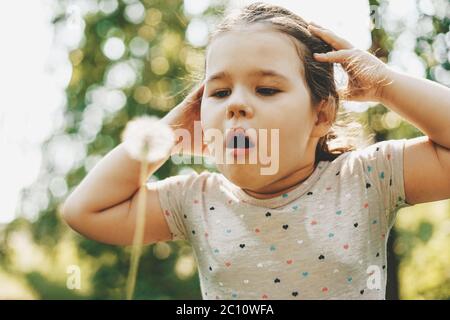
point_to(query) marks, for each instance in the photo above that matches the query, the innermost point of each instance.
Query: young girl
(318, 227)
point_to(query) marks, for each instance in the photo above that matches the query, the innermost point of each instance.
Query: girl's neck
(284, 184)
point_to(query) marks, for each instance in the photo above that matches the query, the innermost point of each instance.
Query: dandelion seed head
(147, 138)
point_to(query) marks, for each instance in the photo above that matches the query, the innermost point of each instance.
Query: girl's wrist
(385, 92)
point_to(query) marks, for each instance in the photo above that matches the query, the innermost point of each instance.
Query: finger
(200, 88)
(196, 94)
(341, 56)
(315, 24)
(330, 37)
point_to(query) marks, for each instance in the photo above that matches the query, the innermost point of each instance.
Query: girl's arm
(426, 160)
(103, 206)
(424, 103)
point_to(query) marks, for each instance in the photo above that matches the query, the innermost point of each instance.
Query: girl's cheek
(210, 113)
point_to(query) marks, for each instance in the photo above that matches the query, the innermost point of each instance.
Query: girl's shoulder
(383, 146)
(383, 157)
(382, 150)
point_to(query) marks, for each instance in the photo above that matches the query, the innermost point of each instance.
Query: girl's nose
(239, 110)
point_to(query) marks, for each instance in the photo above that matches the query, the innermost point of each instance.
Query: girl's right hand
(183, 116)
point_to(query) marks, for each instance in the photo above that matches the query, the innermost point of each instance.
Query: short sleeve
(383, 165)
(172, 193)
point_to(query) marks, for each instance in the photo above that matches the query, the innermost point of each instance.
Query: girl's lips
(239, 151)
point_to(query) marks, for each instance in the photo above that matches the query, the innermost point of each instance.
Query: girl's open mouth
(239, 140)
(238, 143)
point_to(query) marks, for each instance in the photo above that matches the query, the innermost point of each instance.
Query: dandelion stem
(138, 232)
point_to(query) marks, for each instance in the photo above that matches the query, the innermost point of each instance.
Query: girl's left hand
(368, 75)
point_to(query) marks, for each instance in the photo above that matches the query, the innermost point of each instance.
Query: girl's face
(244, 96)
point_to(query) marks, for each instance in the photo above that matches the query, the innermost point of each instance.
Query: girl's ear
(323, 118)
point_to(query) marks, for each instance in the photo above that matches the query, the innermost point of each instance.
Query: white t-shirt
(325, 239)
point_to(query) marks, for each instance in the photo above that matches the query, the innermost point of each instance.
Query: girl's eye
(268, 91)
(219, 94)
(262, 91)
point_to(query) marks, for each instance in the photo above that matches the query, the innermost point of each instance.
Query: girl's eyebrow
(259, 73)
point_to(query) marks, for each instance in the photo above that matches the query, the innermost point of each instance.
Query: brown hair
(319, 76)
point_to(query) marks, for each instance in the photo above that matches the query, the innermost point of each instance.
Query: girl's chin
(242, 175)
